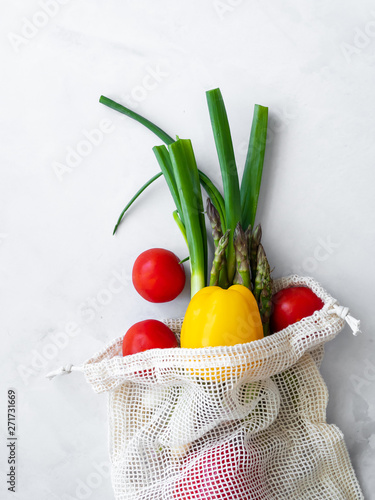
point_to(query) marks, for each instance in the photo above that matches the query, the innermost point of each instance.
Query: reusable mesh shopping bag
(240, 422)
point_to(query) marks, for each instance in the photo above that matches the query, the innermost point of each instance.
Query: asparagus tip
(248, 231)
(257, 234)
(225, 238)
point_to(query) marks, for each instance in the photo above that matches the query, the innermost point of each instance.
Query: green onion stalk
(190, 197)
(138, 193)
(225, 152)
(252, 175)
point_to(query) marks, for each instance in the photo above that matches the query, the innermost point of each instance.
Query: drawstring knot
(344, 313)
(64, 370)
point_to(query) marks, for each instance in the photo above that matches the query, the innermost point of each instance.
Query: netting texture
(240, 422)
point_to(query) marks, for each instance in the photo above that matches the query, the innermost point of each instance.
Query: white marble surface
(311, 62)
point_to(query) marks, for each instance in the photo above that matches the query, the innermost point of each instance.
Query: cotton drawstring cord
(344, 313)
(64, 370)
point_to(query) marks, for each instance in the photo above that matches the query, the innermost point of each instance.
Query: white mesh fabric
(242, 422)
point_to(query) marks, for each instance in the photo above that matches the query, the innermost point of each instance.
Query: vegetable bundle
(239, 256)
(231, 414)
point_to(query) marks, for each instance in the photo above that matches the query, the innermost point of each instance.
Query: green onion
(207, 184)
(140, 119)
(162, 155)
(187, 179)
(252, 176)
(211, 190)
(180, 226)
(135, 197)
(225, 152)
(184, 260)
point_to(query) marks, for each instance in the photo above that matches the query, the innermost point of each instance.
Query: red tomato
(291, 305)
(148, 334)
(221, 472)
(158, 276)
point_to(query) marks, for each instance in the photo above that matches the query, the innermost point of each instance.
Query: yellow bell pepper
(218, 317)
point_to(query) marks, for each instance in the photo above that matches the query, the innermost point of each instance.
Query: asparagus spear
(223, 279)
(214, 218)
(265, 306)
(261, 272)
(242, 276)
(218, 259)
(263, 288)
(253, 251)
(217, 233)
(248, 242)
(248, 237)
